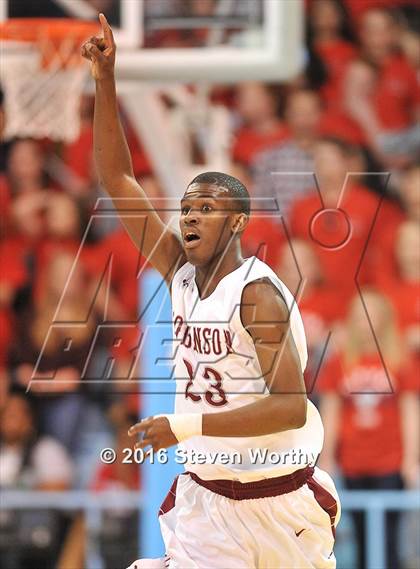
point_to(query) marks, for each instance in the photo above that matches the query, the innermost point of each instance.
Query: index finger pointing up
(106, 28)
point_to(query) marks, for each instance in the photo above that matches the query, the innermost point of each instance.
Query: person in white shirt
(240, 352)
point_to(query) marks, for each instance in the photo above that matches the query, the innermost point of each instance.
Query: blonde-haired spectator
(404, 289)
(369, 405)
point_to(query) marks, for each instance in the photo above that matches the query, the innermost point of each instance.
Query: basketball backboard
(125, 16)
(243, 39)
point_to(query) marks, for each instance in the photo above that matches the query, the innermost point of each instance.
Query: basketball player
(239, 359)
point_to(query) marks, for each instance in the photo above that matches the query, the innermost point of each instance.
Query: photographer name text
(252, 456)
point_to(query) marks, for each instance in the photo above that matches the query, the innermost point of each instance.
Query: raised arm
(155, 240)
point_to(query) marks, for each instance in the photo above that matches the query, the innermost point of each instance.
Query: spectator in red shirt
(371, 413)
(26, 190)
(320, 305)
(357, 8)
(405, 290)
(381, 91)
(26, 167)
(78, 155)
(258, 108)
(385, 267)
(119, 260)
(264, 237)
(338, 218)
(330, 51)
(330, 36)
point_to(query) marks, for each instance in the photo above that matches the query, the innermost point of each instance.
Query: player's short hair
(235, 187)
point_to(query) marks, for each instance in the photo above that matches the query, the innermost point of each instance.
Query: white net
(43, 76)
(41, 101)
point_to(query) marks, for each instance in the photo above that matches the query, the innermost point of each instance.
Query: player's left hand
(156, 433)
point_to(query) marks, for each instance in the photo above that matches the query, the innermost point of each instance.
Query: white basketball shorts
(228, 525)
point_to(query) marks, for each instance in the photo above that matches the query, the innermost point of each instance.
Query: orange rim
(54, 29)
(57, 39)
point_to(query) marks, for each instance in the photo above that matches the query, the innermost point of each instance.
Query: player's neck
(208, 276)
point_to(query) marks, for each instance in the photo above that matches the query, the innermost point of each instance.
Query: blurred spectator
(117, 257)
(329, 35)
(285, 172)
(338, 217)
(357, 8)
(264, 238)
(120, 527)
(405, 289)
(320, 305)
(382, 92)
(384, 261)
(64, 349)
(258, 107)
(409, 191)
(26, 187)
(30, 538)
(28, 459)
(25, 168)
(410, 39)
(78, 155)
(370, 413)
(12, 276)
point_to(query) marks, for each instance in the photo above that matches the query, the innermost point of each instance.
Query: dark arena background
(314, 106)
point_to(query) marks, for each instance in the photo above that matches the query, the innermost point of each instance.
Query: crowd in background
(348, 247)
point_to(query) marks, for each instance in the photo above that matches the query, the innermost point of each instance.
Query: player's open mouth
(191, 239)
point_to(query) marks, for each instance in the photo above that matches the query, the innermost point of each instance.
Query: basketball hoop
(43, 76)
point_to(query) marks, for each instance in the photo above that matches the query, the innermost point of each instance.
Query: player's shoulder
(257, 270)
(183, 275)
(261, 292)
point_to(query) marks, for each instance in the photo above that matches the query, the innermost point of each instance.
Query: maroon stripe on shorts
(266, 488)
(327, 502)
(169, 502)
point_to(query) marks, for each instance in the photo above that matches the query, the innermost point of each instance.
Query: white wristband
(185, 425)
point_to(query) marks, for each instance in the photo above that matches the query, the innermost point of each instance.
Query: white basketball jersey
(217, 369)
